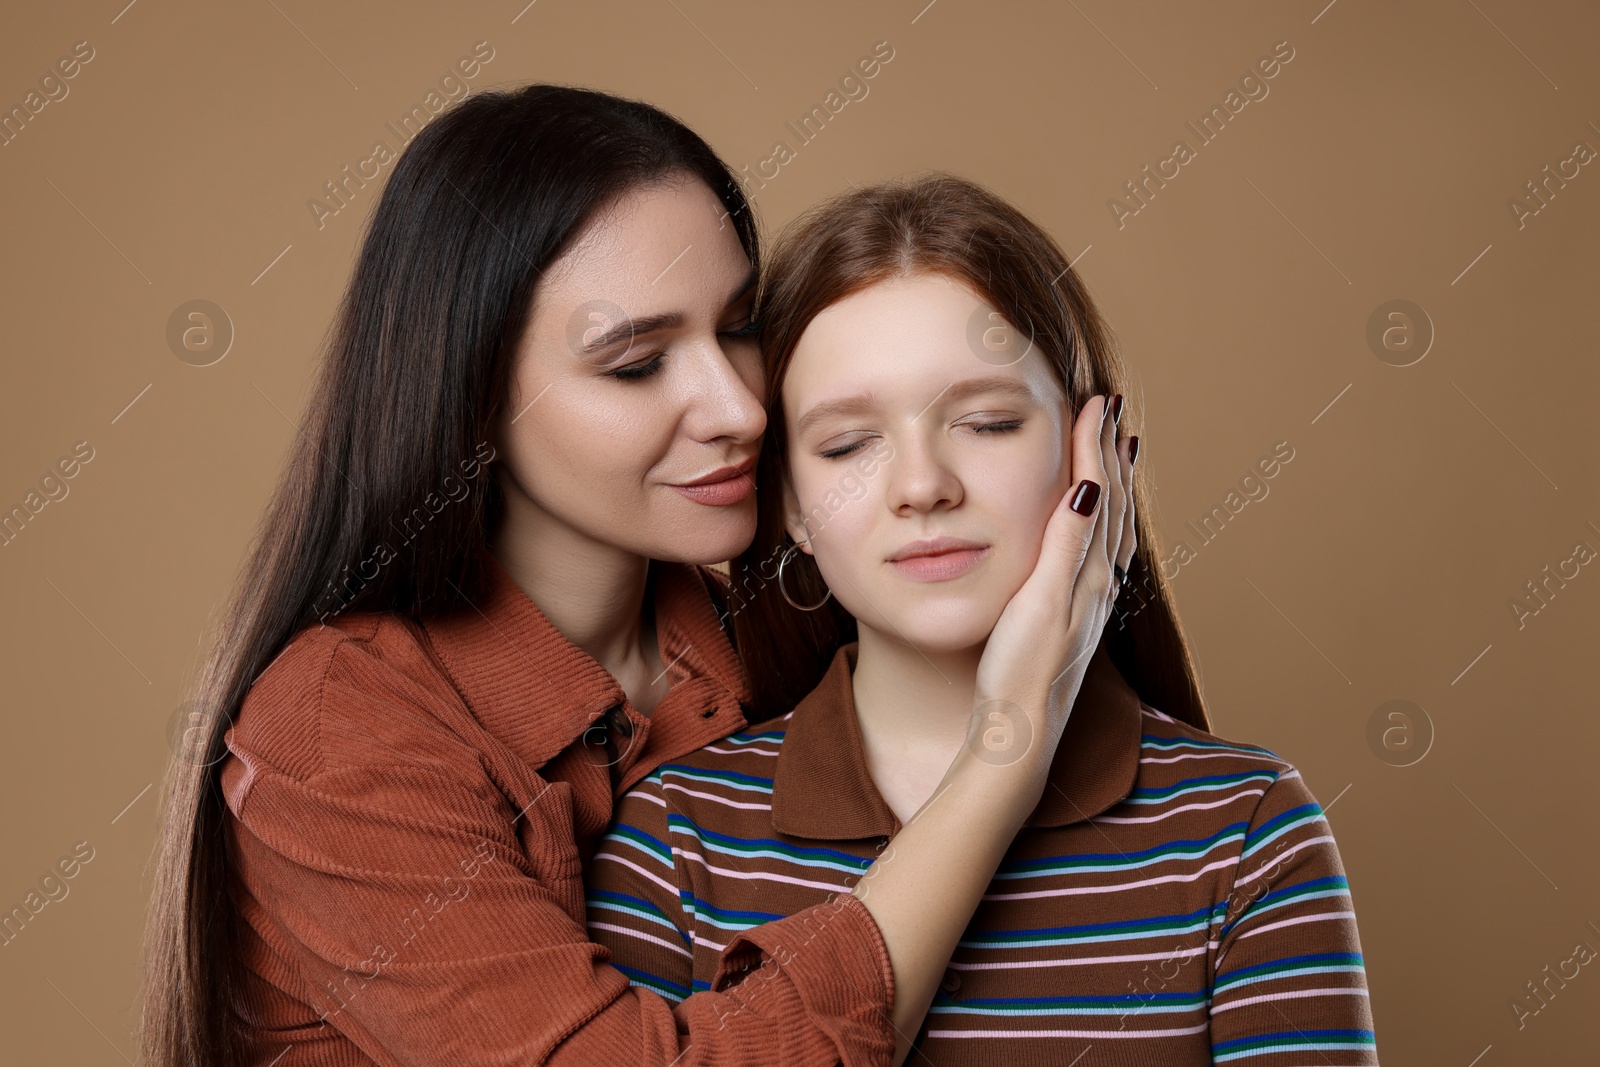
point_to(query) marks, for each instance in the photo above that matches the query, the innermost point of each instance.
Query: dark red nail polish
(1116, 409)
(1085, 497)
(1133, 450)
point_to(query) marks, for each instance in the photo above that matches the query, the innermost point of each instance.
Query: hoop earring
(788, 554)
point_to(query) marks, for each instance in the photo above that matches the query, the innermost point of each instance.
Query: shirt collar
(822, 789)
(538, 692)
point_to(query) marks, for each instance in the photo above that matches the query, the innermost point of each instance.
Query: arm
(1289, 974)
(925, 886)
(431, 922)
(639, 896)
(637, 910)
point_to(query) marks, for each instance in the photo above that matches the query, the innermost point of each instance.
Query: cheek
(585, 446)
(1044, 474)
(837, 509)
(1021, 497)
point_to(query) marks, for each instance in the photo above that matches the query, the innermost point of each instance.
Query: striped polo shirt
(1175, 898)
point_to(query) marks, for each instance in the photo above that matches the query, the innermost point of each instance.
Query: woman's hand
(1039, 651)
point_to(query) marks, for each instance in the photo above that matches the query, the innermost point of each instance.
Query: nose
(722, 402)
(919, 477)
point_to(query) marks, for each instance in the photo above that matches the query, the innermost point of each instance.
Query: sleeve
(635, 900)
(1290, 984)
(431, 923)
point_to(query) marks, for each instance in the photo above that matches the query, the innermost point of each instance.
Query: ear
(794, 520)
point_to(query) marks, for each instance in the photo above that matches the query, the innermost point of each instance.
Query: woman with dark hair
(1175, 897)
(479, 609)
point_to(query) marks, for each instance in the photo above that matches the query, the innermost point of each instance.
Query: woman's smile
(723, 486)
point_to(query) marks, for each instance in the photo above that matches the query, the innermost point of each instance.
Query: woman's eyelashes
(634, 372)
(993, 427)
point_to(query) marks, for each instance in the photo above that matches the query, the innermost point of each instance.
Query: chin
(933, 641)
(715, 536)
(953, 625)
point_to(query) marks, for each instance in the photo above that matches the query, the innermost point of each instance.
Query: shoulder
(360, 689)
(1164, 739)
(1240, 796)
(1180, 763)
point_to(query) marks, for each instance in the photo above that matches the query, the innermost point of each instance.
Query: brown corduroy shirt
(411, 808)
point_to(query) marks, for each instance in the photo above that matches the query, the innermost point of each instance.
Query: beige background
(1382, 565)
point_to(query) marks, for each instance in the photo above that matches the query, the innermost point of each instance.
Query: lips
(721, 474)
(721, 487)
(938, 559)
(934, 546)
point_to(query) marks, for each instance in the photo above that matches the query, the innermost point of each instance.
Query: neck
(593, 593)
(914, 711)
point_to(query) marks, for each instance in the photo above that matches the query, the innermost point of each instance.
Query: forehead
(663, 242)
(901, 335)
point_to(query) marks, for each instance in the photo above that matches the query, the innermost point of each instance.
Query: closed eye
(842, 450)
(998, 426)
(635, 371)
(1004, 426)
(749, 329)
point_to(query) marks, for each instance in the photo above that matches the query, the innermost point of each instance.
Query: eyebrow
(967, 387)
(630, 328)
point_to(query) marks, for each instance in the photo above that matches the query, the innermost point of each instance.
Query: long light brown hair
(945, 225)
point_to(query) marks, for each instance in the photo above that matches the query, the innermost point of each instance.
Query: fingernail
(1133, 450)
(1104, 411)
(1116, 409)
(1085, 497)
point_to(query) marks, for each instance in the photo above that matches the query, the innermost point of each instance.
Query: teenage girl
(1175, 897)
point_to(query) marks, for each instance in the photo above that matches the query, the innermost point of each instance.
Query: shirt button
(616, 718)
(951, 982)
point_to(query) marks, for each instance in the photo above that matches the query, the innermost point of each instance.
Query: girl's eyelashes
(999, 426)
(842, 450)
(1003, 426)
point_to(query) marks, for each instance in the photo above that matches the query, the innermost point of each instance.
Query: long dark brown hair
(415, 375)
(937, 224)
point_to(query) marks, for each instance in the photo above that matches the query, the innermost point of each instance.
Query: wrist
(1006, 789)
(1005, 733)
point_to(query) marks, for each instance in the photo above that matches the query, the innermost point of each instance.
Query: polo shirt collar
(822, 789)
(538, 692)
